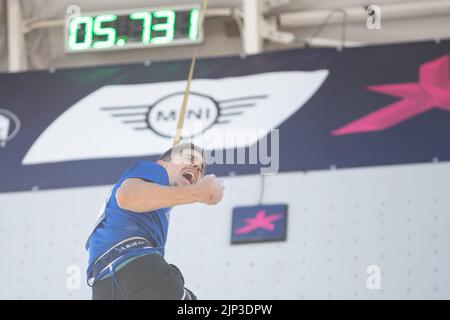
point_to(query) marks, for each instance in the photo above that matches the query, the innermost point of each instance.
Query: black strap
(101, 266)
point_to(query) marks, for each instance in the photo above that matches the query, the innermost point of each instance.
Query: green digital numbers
(92, 26)
(110, 33)
(146, 18)
(133, 29)
(193, 24)
(168, 27)
(75, 25)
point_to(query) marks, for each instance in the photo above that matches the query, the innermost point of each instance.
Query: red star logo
(260, 221)
(432, 91)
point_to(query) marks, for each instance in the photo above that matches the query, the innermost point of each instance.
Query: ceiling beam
(17, 55)
(396, 10)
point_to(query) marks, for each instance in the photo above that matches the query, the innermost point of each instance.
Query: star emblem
(260, 221)
(431, 91)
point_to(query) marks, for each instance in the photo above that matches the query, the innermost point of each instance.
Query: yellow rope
(182, 116)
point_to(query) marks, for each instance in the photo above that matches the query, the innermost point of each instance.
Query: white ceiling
(46, 47)
(57, 8)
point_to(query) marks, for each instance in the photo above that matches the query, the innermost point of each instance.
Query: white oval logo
(9, 126)
(202, 112)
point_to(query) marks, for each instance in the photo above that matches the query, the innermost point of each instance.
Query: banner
(370, 106)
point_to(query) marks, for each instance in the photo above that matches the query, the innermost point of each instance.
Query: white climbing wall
(339, 223)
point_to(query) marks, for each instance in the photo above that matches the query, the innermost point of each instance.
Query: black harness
(104, 263)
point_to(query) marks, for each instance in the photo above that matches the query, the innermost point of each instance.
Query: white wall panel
(339, 223)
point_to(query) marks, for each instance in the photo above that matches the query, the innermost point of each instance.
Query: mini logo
(9, 126)
(203, 112)
(140, 119)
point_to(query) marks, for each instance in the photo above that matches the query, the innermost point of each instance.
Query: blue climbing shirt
(116, 225)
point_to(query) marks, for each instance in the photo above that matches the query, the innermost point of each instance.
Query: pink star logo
(432, 91)
(260, 221)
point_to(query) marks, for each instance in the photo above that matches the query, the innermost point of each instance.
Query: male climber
(126, 248)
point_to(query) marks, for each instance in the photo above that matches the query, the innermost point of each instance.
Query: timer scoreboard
(133, 29)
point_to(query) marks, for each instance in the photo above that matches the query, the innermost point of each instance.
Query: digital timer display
(133, 29)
